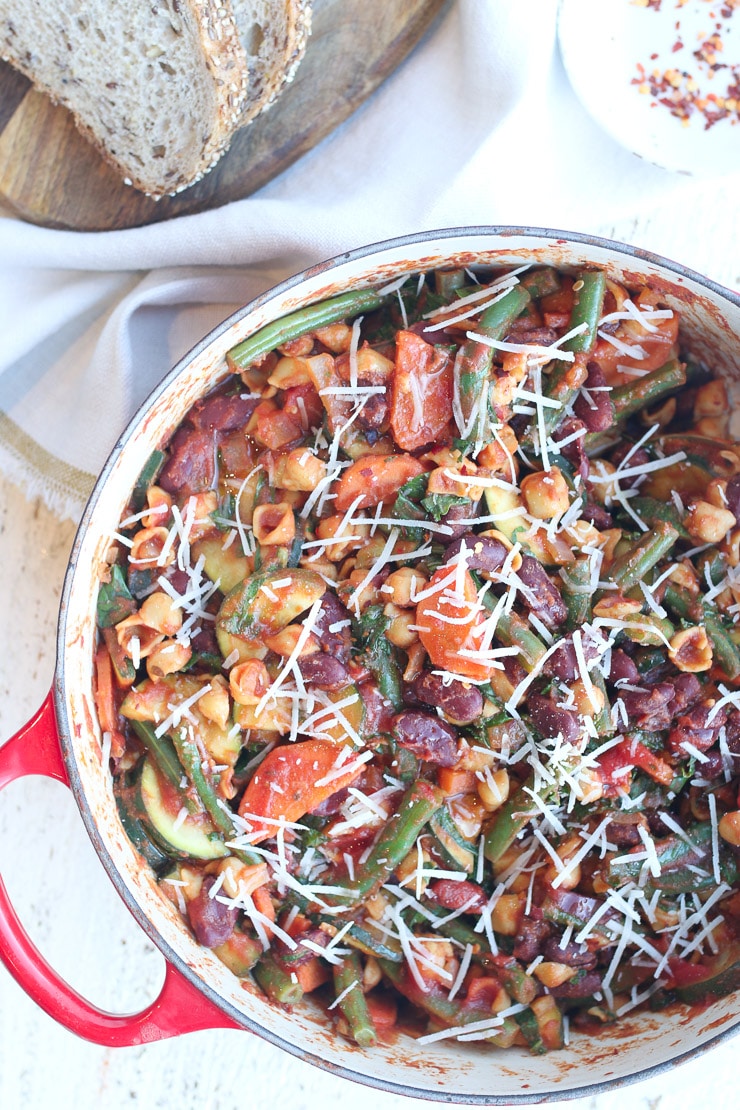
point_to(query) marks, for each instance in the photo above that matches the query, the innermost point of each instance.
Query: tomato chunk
(290, 782)
(616, 764)
(421, 392)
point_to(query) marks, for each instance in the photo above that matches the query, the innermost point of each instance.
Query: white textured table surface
(73, 913)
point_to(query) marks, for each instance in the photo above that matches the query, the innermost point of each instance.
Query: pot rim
(495, 231)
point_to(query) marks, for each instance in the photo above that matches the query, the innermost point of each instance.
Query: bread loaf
(157, 85)
(274, 35)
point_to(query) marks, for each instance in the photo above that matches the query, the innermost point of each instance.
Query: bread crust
(288, 53)
(214, 23)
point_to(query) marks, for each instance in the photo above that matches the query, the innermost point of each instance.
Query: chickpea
(249, 682)
(498, 455)
(589, 787)
(716, 493)
(284, 642)
(691, 650)
(337, 337)
(403, 585)
(371, 974)
(299, 347)
(356, 535)
(398, 631)
(241, 879)
(507, 914)
(708, 524)
(729, 828)
(731, 548)
(584, 534)
(493, 789)
(554, 974)
(686, 577)
(604, 490)
(545, 494)
(588, 700)
(468, 813)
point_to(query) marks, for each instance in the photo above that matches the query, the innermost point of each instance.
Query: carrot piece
(105, 700)
(456, 782)
(443, 629)
(420, 393)
(291, 781)
(312, 975)
(263, 902)
(382, 1009)
(375, 478)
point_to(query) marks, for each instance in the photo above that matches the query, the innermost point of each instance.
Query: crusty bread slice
(274, 35)
(157, 85)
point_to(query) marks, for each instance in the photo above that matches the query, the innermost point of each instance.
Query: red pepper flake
(680, 91)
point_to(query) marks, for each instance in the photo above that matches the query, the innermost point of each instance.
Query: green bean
(635, 396)
(589, 288)
(476, 359)
(276, 982)
(164, 755)
(633, 565)
(513, 977)
(512, 817)
(542, 282)
(577, 592)
(447, 282)
(512, 631)
(298, 323)
(395, 841)
(348, 987)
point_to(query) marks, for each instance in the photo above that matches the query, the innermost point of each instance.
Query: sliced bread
(274, 35)
(157, 85)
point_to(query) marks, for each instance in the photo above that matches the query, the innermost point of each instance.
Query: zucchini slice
(193, 838)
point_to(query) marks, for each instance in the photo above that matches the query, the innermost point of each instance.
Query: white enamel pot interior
(446, 1071)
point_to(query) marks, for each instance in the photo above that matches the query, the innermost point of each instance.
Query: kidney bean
(595, 408)
(453, 895)
(686, 692)
(484, 552)
(522, 332)
(426, 736)
(648, 708)
(575, 451)
(379, 712)
(563, 663)
(699, 727)
(323, 670)
(624, 829)
(623, 669)
(541, 596)
(191, 467)
(637, 458)
(714, 765)
(457, 700)
(222, 413)
(332, 804)
(571, 954)
(211, 921)
(550, 720)
(597, 516)
(458, 518)
(530, 939)
(374, 413)
(733, 496)
(339, 642)
(583, 986)
(302, 954)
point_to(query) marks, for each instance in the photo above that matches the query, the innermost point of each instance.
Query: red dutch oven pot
(63, 740)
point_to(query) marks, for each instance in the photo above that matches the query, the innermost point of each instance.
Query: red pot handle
(180, 1007)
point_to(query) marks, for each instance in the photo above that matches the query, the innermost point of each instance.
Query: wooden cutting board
(50, 175)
